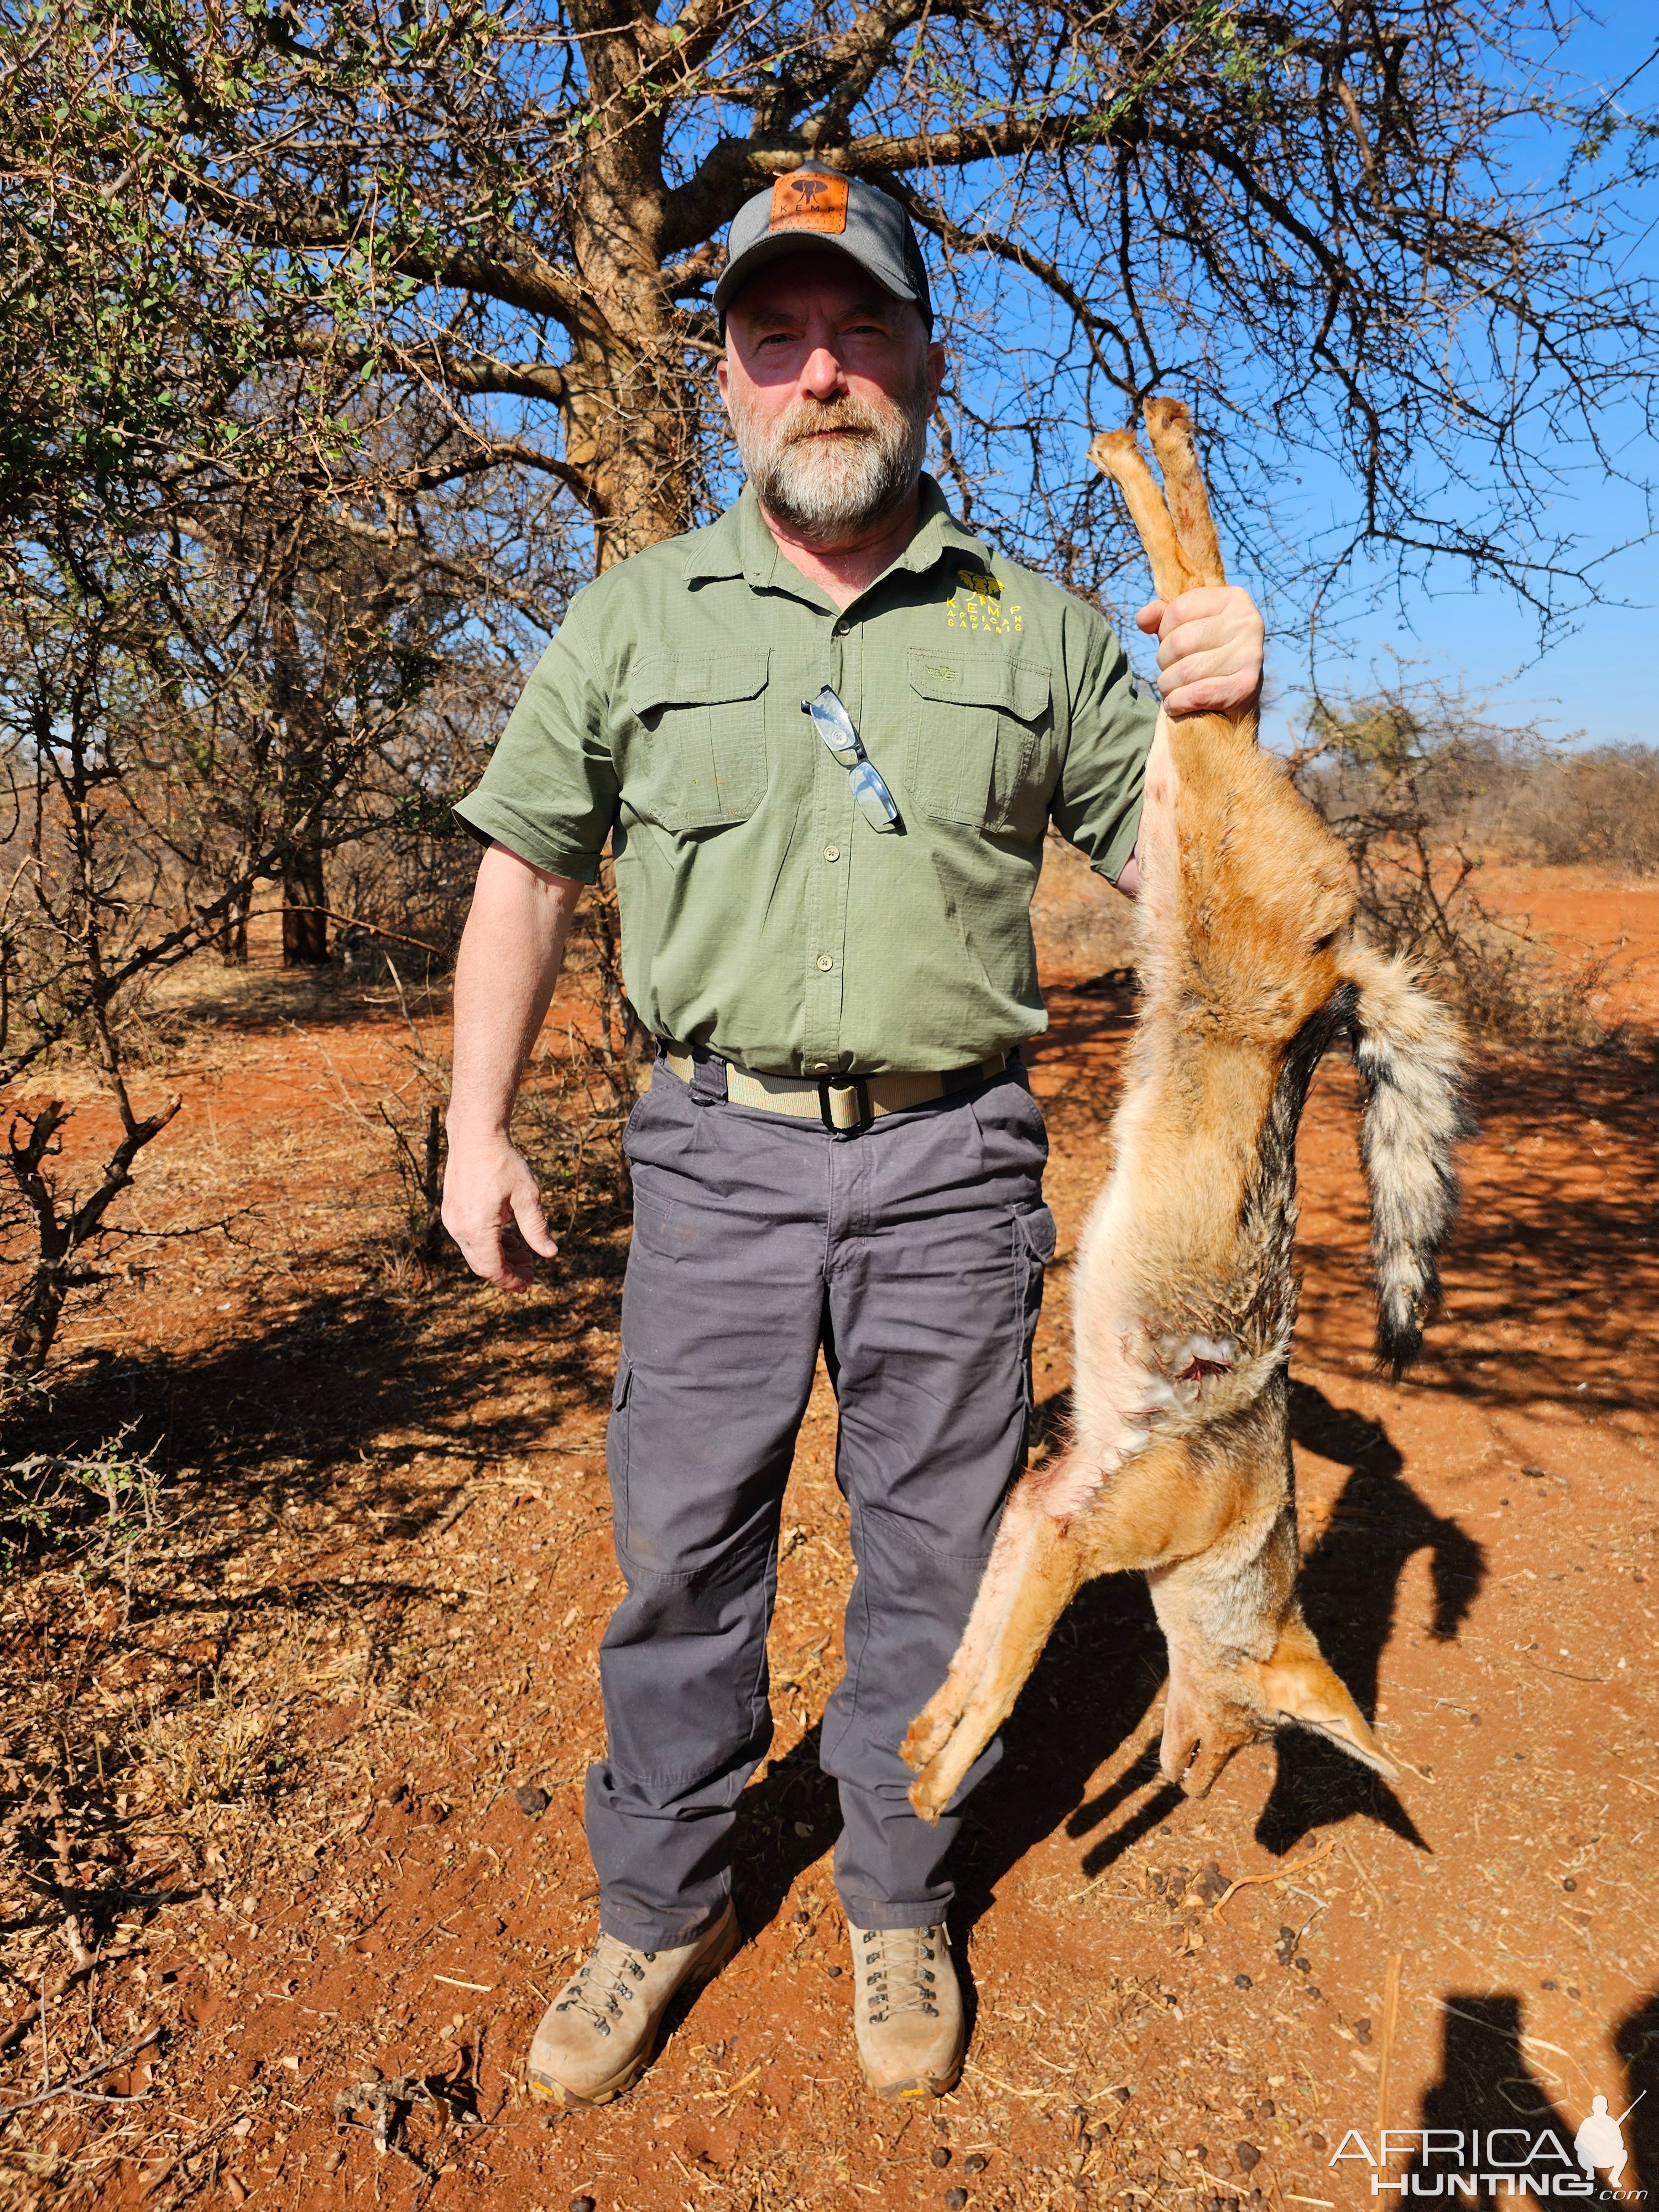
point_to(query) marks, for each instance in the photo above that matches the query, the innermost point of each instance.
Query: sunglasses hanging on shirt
(835, 726)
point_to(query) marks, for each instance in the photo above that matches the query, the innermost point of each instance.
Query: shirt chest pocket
(696, 750)
(984, 752)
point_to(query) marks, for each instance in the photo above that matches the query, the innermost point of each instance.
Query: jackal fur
(1185, 1292)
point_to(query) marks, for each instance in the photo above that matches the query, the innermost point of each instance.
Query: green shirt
(761, 915)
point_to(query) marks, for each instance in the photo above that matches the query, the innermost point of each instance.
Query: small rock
(1247, 2155)
(1316, 2142)
(333, 2160)
(581, 2205)
(532, 1801)
(1312, 1992)
(941, 2154)
(1362, 2033)
(1546, 1985)
(955, 2199)
(1201, 2153)
(803, 1828)
(1241, 1981)
(1266, 2106)
(801, 1919)
(1123, 2096)
(974, 2163)
(1568, 1883)
(1302, 1965)
(1572, 1989)
(834, 1973)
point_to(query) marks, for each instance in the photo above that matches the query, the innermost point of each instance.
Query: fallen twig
(1280, 1874)
(1390, 2018)
(109, 2065)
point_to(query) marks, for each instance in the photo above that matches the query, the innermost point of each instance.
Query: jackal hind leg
(1243, 1662)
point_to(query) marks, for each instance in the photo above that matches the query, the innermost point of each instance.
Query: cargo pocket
(984, 752)
(1034, 1248)
(615, 1447)
(696, 754)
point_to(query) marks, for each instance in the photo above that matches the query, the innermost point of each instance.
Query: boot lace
(603, 1984)
(897, 1971)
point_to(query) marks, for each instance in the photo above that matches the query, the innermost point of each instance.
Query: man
(825, 922)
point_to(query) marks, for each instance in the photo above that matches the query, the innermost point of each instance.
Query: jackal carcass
(1185, 1293)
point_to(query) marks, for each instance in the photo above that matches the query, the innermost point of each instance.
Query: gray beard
(837, 491)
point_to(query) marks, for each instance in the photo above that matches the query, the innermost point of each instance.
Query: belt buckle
(832, 1090)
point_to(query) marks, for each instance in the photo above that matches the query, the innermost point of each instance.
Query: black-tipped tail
(1409, 1048)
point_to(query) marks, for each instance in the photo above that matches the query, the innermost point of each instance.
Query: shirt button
(832, 852)
(840, 630)
(820, 1068)
(825, 962)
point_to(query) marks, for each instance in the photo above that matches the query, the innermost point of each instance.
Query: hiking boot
(599, 2035)
(907, 2007)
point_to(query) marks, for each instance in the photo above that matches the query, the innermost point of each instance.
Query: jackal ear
(1297, 1684)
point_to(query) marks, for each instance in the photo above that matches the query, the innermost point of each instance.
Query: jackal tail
(1409, 1050)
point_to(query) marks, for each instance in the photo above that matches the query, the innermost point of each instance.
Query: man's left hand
(1209, 653)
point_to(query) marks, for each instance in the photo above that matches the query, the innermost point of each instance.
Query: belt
(843, 1103)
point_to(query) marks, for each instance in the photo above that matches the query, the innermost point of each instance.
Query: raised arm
(508, 964)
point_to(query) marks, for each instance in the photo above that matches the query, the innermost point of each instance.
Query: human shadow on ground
(1485, 2082)
(1636, 2040)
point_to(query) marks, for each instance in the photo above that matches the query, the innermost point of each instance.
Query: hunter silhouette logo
(1599, 2141)
(809, 201)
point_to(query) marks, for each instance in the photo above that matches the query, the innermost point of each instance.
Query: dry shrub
(1411, 785)
(1598, 809)
(223, 1751)
(101, 1501)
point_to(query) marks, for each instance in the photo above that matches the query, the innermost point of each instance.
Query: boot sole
(932, 2085)
(554, 2092)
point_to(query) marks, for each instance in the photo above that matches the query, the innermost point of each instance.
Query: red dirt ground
(377, 1621)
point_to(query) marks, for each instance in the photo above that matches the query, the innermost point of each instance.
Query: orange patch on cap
(806, 200)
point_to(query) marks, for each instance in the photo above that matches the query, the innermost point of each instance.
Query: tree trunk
(633, 416)
(304, 923)
(232, 935)
(35, 1315)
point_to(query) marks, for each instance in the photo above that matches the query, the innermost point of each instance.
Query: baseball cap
(819, 210)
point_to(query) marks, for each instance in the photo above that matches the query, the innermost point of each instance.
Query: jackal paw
(932, 1728)
(1200, 1739)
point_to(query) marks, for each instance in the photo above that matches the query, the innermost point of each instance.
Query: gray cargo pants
(914, 1255)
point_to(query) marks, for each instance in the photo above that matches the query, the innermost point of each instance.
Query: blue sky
(1598, 680)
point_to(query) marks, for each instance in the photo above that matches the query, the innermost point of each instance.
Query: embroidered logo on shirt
(980, 605)
(808, 202)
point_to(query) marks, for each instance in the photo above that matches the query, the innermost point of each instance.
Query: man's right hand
(494, 1211)
(505, 972)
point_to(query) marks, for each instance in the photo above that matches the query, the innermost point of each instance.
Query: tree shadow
(1349, 1592)
(1486, 2082)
